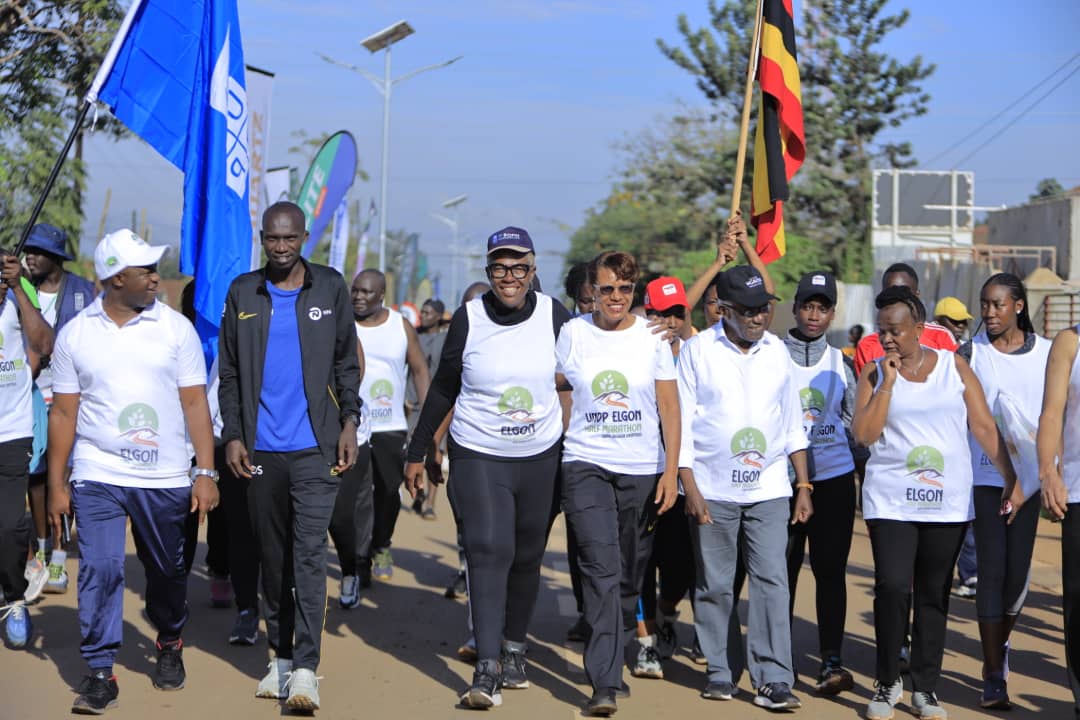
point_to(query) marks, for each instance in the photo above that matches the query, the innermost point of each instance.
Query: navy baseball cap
(743, 285)
(816, 284)
(49, 239)
(510, 238)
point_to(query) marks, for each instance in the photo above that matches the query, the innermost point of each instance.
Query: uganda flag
(780, 144)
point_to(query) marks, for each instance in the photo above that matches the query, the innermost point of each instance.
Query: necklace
(915, 372)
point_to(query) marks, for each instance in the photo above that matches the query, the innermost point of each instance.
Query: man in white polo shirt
(129, 379)
(741, 423)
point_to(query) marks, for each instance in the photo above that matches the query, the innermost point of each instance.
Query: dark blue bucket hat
(49, 239)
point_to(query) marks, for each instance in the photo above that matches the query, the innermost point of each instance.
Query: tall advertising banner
(276, 185)
(326, 184)
(260, 85)
(339, 237)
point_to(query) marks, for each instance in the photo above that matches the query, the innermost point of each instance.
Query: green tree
(1047, 187)
(49, 53)
(851, 92)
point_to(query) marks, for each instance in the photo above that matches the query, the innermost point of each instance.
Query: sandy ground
(394, 656)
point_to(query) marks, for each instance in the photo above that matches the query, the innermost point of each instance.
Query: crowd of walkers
(687, 462)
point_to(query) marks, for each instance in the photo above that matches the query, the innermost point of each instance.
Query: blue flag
(175, 77)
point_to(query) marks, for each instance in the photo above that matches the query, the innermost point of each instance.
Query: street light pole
(388, 85)
(382, 40)
(454, 223)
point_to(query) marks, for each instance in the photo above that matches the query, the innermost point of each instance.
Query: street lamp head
(455, 201)
(387, 36)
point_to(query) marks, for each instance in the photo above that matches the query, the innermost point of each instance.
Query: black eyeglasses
(518, 272)
(606, 290)
(750, 312)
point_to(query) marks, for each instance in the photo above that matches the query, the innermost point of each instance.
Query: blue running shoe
(17, 625)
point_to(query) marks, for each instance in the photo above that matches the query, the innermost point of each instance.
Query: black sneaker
(719, 691)
(602, 703)
(623, 691)
(169, 672)
(457, 587)
(833, 678)
(577, 631)
(776, 696)
(246, 628)
(513, 666)
(97, 693)
(485, 691)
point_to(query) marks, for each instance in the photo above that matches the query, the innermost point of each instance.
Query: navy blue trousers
(157, 523)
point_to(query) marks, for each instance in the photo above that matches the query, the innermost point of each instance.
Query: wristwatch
(212, 474)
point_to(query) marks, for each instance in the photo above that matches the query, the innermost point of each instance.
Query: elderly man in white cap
(129, 379)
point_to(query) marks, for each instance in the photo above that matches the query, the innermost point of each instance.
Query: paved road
(394, 655)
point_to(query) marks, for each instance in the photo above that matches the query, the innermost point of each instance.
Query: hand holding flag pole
(779, 144)
(80, 118)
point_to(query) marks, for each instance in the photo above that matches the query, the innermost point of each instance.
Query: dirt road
(394, 656)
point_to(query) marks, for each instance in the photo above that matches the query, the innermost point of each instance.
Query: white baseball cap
(123, 249)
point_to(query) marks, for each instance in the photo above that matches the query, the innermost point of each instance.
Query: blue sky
(525, 123)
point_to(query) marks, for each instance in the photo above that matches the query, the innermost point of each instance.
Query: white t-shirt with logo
(821, 392)
(383, 387)
(130, 429)
(741, 417)
(508, 405)
(614, 422)
(16, 414)
(920, 468)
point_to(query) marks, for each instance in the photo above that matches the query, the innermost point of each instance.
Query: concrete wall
(1045, 222)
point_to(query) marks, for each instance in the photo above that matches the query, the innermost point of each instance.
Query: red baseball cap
(665, 292)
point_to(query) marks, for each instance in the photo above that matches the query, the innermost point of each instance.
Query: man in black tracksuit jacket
(289, 397)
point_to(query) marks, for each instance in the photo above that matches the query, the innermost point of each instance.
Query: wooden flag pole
(748, 100)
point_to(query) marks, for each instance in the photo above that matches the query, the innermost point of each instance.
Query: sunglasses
(518, 272)
(606, 290)
(750, 312)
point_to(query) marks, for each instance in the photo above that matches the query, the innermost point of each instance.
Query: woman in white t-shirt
(1059, 473)
(1010, 361)
(617, 383)
(914, 408)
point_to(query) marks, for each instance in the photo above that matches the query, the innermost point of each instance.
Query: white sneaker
(350, 592)
(58, 579)
(884, 700)
(273, 684)
(303, 691)
(36, 575)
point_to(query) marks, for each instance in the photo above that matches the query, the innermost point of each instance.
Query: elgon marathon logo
(748, 448)
(813, 403)
(9, 369)
(516, 405)
(382, 401)
(611, 392)
(382, 393)
(927, 466)
(813, 407)
(138, 425)
(610, 388)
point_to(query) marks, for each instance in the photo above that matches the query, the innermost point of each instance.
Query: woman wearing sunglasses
(618, 381)
(497, 374)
